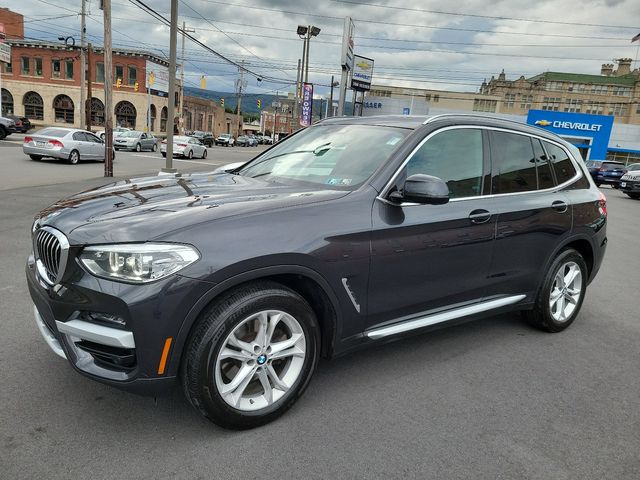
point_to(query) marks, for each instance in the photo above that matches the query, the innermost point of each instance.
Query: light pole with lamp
(304, 32)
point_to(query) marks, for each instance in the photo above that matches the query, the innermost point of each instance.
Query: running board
(442, 317)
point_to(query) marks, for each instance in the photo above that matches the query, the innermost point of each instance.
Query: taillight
(55, 143)
(602, 204)
(18, 123)
(28, 139)
(602, 169)
(164, 142)
(181, 144)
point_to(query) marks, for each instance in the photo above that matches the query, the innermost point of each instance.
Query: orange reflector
(165, 354)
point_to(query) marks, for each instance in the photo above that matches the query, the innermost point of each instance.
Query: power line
(474, 15)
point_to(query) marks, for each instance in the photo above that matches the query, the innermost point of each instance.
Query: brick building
(207, 115)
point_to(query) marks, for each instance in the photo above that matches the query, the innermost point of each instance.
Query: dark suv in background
(606, 172)
(350, 232)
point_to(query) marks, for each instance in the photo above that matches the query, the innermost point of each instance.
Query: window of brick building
(510, 100)
(37, 70)
(99, 72)
(25, 66)
(132, 77)
(63, 109)
(33, 106)
(68, 69)
(526, 101)
(119, 74)
(551, 103)
(573, 105)
(55, 68)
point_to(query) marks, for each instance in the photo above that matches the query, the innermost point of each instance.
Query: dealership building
(600, 114)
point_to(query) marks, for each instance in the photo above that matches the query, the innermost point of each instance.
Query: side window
(545, 177)
(79, 137)
(514, 164)
(455, 156)
(561, 163)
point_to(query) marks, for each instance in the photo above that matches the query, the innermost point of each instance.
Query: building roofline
(18, 42)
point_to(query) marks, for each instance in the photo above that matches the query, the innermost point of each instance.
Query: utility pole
(108, 91)
(330, 100)
(171, 100)
(87, 109)
(306, 60)
(83, 61)
(296, 104)
(240, 86)
(181, 114)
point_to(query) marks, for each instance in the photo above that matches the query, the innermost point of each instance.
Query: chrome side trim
(97, 333)
(47, 335)
(427, 320)
(347, 288)
(385, 191)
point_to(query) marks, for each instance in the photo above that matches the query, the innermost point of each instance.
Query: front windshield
(333, 155)
(130, 134)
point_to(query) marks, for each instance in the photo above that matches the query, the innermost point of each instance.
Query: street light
(308, 32)
(68, 41)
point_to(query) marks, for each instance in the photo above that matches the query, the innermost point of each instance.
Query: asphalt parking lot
(485, 400)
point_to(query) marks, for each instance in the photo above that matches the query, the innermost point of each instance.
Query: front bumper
(127, 355)
(630, 186)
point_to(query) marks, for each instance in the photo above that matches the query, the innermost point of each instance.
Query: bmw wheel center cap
(261, 359)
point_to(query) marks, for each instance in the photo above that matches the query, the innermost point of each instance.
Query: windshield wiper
(319, 150)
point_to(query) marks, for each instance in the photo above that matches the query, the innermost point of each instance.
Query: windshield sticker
(340, 181)
(393, 140)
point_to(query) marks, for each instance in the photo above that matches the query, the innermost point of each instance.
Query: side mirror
(424, 189)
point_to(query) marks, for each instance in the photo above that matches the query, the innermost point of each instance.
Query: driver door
(427, 257)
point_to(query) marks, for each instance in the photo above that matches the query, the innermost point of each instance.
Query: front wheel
(204, 153)
(251, 355)
(562, 292)
(138, 147)
(190, 155)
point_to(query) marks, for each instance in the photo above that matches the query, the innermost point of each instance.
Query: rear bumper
(61, 153)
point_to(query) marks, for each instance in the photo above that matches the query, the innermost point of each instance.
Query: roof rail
(476, 115)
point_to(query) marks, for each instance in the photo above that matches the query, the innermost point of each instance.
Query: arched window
(7, 102)
(125, 114)
(63, 109)
(153, 114)
(164, 113)
(33, 106)
(97, 112)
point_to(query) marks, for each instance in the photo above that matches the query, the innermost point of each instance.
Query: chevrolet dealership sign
(584, 130)
(590, 127)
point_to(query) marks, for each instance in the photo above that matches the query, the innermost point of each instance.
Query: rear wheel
(560, 298)
(155, 147)
(35, 157)
(251, 355)
(74, 157)
(190, 155)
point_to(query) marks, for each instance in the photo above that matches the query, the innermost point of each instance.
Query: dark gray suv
(350, 232)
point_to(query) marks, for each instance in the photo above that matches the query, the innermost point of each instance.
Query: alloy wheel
(260, 360)
(565, 291)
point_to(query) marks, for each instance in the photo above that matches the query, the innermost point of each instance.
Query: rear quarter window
(562, 165)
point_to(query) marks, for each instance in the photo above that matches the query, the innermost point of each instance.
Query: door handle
(480, 216)
(559, 206)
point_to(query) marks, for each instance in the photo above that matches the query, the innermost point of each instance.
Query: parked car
(7, 127)
(243, 141)
(267, 140)
(135, 140)
(226, 140)
(205, 137)
(607, 172)
(253, 141)
(184, 146)
(23, 124)
(116, 132)
(630, 181)
(234, 284)
(70, 144)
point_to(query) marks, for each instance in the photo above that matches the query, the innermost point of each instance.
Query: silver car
(70, 144)
(135, 140)
(185, 147)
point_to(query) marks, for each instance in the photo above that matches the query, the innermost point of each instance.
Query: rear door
(533, 214)
(426, 257)
(97, 147)
(83, 146)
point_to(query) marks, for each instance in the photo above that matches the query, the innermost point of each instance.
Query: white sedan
(185, 147)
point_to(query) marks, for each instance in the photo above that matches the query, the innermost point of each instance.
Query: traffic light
(222, 102)
(259, 103)
(118, 83)
(136, 87)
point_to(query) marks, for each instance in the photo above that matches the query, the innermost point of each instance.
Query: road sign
(362, 73)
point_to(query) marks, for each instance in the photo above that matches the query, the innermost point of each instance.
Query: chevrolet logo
(364, 65)
(543, 123)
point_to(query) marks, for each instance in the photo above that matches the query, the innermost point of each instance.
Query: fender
(219, 288)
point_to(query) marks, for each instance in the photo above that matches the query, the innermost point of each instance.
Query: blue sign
(596, 128)
(406, 111)
(307, 104)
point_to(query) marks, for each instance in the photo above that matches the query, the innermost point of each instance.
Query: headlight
(139, 262)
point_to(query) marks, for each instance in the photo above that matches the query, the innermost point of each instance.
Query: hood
(144, 209)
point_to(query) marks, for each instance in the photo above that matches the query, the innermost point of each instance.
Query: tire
(164, 154)
(598, 184)
(138, 147)
(190, 155)
(74, 157)
(35, 157)
(3, 133)
(204, 154)
(203, 371)
(155, 147)
(556, 316)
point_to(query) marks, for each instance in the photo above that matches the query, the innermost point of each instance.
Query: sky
(414, 43)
